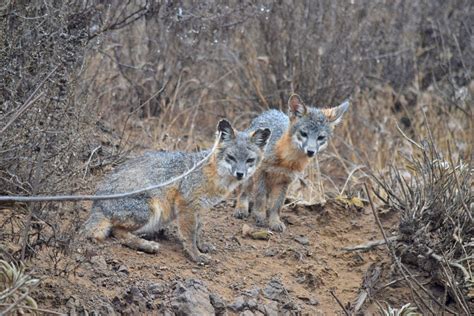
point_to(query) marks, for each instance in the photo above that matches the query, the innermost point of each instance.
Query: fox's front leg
(202, 246)
(188, 227)
(242, 206)
(275, 201)
(259, 199)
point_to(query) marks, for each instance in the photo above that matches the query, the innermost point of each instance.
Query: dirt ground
(307, 258)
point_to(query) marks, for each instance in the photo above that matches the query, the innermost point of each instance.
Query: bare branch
(28, 101)
(371, 244)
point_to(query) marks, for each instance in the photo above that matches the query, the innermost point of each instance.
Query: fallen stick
(370, 244)
(433, 255)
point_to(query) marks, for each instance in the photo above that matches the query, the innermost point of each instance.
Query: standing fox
(235, 160)
(293, 141)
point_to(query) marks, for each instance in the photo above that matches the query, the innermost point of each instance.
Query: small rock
(276, 291)
(106, 309)
(135, 292)
(192, 298)
(239, 304)
(253, 292)
(98, 262)
(247, 313)
(271, 309)
(291, 306)
(156, 288)
(309, 300)
(261, 235)
(246, 230)
(252, 304)
(218, 303)
(302, 240)
(123, 269)
(271, 252)
(131, 302)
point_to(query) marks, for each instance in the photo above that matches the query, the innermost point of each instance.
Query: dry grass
(433, 195)
(86, 84)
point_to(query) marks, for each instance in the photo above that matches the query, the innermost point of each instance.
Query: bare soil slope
(306, 259)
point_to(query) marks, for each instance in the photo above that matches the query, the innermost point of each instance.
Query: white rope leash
(19, 198)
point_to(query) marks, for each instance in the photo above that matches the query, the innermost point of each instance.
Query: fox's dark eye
(231, 158)
(321, 137)
(304, 134)
(250, 160)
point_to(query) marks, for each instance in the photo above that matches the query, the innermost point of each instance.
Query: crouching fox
(128, 219)
(294, 140)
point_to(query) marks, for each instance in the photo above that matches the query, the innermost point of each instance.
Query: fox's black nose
(239, 175)
(310, 153)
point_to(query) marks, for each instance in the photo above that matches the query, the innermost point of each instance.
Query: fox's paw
(260, 219)
(202, 259)
(197, 256)
(207, 248)
(277, 225)
(241, 213)
(150, 247)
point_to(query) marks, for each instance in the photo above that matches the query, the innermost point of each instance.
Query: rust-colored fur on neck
(211, 179)
(289, 157)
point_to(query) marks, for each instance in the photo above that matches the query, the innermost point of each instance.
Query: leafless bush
(224, 59)
(46, 127)
(433, 194)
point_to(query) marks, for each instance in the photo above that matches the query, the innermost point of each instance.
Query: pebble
(302, 240)
(238, 305)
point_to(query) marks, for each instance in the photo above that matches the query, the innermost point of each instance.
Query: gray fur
(149, 169)
(197, 191)
(309, 129)
(276, 121)
(314, 123)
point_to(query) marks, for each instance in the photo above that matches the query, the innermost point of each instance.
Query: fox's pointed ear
(334, 115)
(296, 107)
(260, 137)
(226, 129)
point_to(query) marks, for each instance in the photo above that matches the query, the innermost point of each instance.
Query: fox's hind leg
(97, 227)
(242, 207)
(130, 240)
